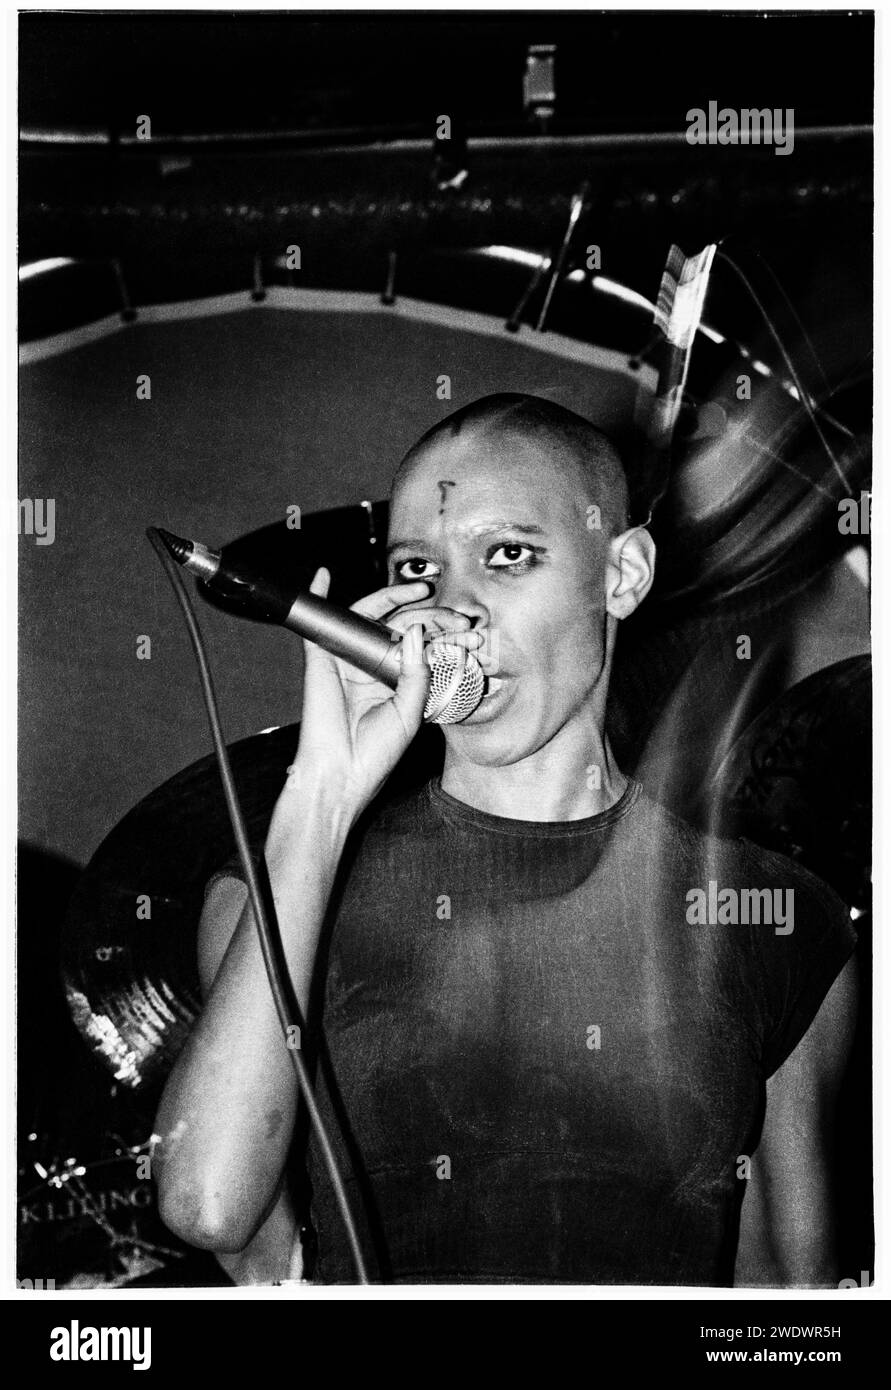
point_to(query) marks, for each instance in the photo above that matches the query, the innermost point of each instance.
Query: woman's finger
(321, 680)
(414, 680)
(384, 601)
(441, 622)
(450, 651)
(321, 583)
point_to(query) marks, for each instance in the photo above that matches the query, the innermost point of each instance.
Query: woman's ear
(630, 567)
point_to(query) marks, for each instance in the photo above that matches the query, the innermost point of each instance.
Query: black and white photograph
(445, 794)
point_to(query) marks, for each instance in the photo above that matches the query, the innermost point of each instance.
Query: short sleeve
(799, 965)
(231, 869)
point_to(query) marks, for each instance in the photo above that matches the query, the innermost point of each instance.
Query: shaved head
(567, 441)
(513, 510)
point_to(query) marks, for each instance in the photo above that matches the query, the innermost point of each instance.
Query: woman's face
(498, 525)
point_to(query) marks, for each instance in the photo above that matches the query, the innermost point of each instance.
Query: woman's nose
(456, 593)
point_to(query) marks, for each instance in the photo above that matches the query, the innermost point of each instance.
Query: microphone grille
(455, 689)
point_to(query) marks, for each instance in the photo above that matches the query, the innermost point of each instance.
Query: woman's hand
(354, 728)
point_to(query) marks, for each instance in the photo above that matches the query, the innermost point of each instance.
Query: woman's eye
(510, 555)
(416, 569)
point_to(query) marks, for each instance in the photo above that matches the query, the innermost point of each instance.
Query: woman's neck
(566, 779)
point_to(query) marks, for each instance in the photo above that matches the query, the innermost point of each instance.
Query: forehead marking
(443, 495)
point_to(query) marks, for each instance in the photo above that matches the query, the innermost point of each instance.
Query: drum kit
(128, 942)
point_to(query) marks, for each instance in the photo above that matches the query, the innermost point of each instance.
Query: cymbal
(349, 541)
(129, 939)
(798, 780)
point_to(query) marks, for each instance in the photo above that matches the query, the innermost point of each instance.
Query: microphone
(455, 688)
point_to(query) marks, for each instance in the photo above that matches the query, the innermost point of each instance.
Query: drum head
(129, 941)
(799, 779)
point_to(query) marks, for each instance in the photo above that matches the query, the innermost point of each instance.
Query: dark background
(326, 125)
(615, 72)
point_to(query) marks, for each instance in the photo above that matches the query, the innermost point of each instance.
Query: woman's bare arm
(227, 1114)
(787, 1227)
(226, 1118)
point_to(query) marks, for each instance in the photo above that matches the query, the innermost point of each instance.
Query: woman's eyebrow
(483, 528)
(412, 543)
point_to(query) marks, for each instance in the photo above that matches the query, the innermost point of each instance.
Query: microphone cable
(281, 989)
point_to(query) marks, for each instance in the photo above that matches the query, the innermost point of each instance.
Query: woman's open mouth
(497, 691)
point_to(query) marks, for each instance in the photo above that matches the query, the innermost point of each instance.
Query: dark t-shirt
(544, 1045)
